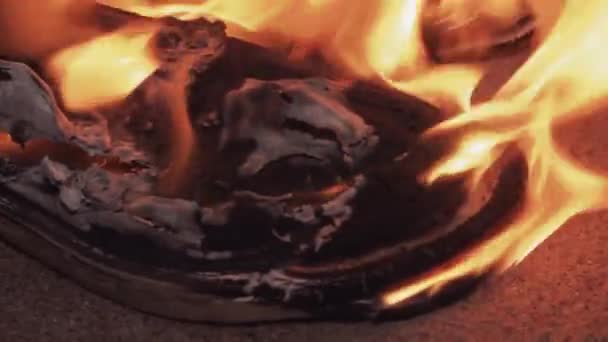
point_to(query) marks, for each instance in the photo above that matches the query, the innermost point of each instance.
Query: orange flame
(103, 70)
(353, 33)
(108, 67)
(33, 29)
(382, 39)
(560, 81)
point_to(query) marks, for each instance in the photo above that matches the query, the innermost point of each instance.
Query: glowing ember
(382, 40)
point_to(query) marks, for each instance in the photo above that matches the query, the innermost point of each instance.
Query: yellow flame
(33, 29)
(473, 153)
(103, 70)
(369, 37)
(387, 52)
(565, 75)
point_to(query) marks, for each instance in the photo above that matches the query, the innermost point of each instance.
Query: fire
(350, 33)
(93, 68)
(386, 53)
(563, 79)
(103, 70)
(474, 153)
(39, 28)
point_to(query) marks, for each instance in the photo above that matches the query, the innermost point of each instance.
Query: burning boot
(305, 203)
(300, 196)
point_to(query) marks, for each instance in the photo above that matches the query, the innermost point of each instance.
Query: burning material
(104, 70)
(468, 30)
(527, 110)
(287, 160)
(24, 91)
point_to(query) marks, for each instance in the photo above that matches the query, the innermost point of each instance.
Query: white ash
(313, 216)
(97, 198)
(275, 279)
(340, 211)
(91, 189)
(55, 173)
(30, 111)
(293, 117)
